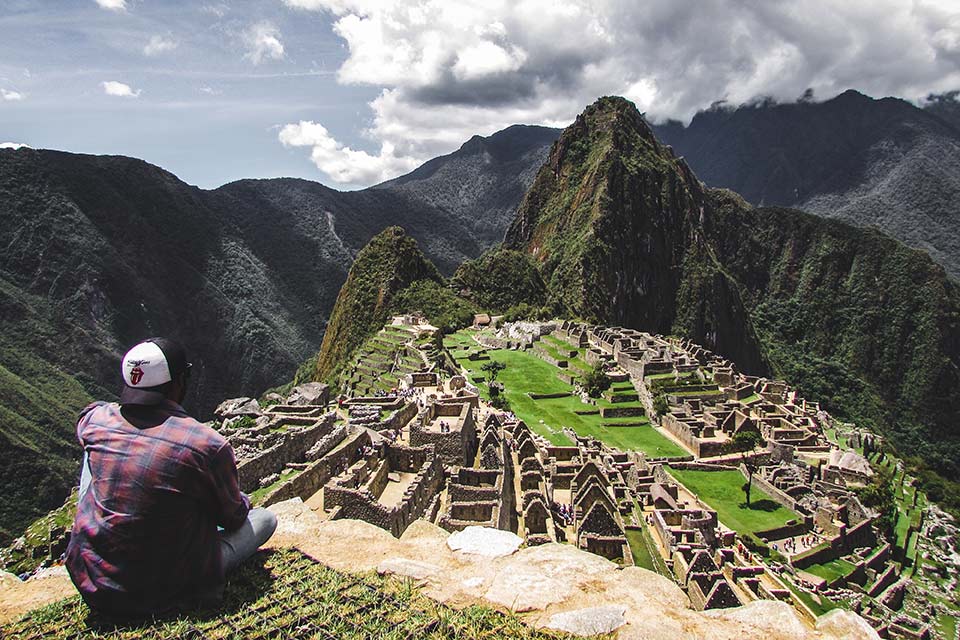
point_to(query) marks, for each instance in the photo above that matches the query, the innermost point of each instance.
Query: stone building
(390, 488)
(448, 426)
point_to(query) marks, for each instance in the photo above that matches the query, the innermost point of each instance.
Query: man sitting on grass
(160, 517)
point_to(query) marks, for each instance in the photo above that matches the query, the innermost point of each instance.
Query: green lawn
(947, 625)
(722, 491)
(639, 550)
(832, 570)
(526, 373)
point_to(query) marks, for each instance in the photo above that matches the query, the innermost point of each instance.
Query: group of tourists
(791, 545)
(563, 513)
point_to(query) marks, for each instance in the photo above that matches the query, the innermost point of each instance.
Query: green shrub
(501, 279)
(596, 381)
(500, 402)
(660, 404)
(441, 306)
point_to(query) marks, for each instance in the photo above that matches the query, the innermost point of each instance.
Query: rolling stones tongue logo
(136, 373)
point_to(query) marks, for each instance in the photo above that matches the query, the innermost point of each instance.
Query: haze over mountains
(883, 163)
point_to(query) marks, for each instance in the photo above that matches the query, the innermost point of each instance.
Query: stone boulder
(236, 407)
(591, 621)
(310, 393)
(483, 541)
(48, 585)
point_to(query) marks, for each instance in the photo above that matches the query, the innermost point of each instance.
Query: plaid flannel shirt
(145, 534)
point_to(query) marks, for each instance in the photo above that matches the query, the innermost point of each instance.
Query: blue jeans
(238, 545)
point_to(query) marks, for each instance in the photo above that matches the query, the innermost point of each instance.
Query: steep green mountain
(624, 233)
(390, 263)
(100, 252)
(873, 163)
(500, 279)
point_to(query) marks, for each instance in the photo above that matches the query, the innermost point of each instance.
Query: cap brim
(131, 395)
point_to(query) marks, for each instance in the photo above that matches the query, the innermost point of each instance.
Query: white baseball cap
(148, 366)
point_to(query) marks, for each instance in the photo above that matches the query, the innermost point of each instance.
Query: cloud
(119, 89)
(263, 43)
(341, 163)
(158, 45)
(14, 145)
(113, 5)
(448, 70)
(10, 95)
(210, 91)
(219, 10)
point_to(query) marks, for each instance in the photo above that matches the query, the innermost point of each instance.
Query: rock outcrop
(555, 585)
(390, 262)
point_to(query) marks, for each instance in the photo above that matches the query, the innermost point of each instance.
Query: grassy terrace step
(626, 422)
(285, 594)
(527, 373)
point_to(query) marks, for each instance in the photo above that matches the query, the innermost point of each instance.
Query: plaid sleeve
(82, 418)
(232, 504)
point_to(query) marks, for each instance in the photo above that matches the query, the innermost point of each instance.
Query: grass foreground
(285, 594)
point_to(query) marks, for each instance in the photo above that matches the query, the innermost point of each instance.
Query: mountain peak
(390, 262)
(607, 181)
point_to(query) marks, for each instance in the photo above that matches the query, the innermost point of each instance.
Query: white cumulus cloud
(113, 5)
(341, 163)
(14, 145)
(10, 95)
(119, 89)
(448, 70)
(263, 43)
(158, 45)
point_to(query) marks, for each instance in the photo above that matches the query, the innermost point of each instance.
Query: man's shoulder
(197, 433)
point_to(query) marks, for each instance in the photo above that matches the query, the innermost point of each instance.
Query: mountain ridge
(870, 162)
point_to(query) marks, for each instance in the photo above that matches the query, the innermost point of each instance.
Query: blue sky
(205, 110)
(352, 92)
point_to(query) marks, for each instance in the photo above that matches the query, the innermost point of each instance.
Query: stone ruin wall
(292, 447)
(778, 495)
(456, 448)
(362, 504)
(313, 478)
(399, 418)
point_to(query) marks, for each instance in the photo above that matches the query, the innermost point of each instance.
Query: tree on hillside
(596, 381)
(751, 466)
(493, 369)
(746, 441)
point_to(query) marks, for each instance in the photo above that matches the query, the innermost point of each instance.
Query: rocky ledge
(554, 585)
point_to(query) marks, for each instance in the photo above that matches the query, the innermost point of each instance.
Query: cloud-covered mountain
(874, 163)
